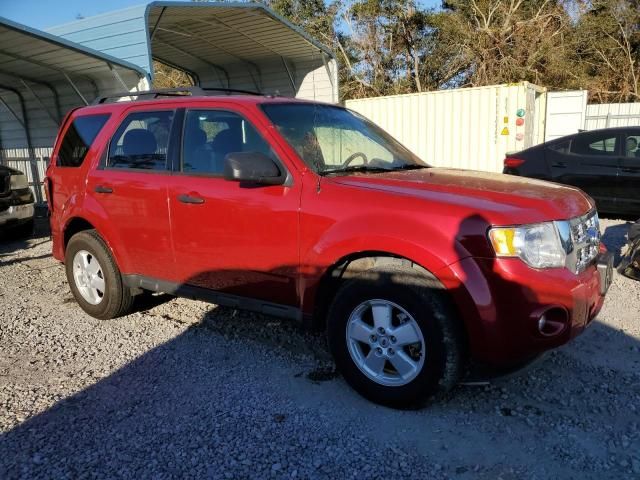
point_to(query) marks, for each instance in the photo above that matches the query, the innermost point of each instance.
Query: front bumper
(502, 302)
(16, 215)
(16, 208)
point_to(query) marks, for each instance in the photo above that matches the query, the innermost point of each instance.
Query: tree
(168, 77)
(503, 41)
(607, 43)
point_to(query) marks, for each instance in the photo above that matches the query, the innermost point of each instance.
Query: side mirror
(252, 167)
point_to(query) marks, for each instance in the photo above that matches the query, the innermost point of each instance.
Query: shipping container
(470, 128)
(565, 113)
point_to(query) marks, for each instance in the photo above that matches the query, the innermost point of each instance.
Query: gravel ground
(187, 389)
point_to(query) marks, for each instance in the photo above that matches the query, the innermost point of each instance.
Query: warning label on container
(505, 131)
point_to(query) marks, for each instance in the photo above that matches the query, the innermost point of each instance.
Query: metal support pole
(40, 102)
(25, 125)
(56, 97)
(329, 73)
(155, 27)
(196, 57)
(75, 89)
(293, 83)
(257, 82)
(12, 112)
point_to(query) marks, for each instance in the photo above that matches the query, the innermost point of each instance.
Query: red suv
(309, 211)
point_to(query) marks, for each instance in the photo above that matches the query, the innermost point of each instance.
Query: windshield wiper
(411, 166)
(356, 168)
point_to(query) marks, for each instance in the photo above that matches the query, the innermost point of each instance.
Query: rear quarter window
(78, 139)
(596, 144)
(563, 146)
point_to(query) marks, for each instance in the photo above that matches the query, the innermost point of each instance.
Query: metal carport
(41, 78)
(229, 45)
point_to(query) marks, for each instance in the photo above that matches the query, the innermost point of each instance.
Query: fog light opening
(552, 322)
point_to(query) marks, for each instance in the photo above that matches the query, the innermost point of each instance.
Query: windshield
(335, 140)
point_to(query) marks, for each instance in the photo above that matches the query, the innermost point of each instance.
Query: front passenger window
(141, 141)
(211, 135)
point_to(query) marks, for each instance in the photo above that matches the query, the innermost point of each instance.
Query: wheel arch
(80, 223)
(352, 265)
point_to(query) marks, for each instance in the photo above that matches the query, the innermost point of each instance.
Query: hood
(501, 199)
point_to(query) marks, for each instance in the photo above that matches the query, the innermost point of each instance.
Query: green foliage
(387, 47)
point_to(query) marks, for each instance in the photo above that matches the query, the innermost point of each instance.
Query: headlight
(538, 245)
(19, 182)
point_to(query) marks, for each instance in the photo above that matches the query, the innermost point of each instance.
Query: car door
(130, 186)
(227, 236)
(628, 197)
(588, 161)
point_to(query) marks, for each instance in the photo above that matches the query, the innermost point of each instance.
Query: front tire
(394, 336)
(94, 277)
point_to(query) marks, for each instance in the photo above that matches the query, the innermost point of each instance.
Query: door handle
(559, 165)
(103, 189)
(192, 199)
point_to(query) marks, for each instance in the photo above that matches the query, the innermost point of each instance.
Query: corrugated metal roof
(31, 54)
(244, 45)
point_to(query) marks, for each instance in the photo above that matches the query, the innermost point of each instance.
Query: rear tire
(97, 285)
(418, 304)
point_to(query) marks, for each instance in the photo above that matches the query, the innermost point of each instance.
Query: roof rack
(174, 92)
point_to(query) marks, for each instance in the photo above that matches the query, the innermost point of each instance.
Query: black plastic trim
(213, 296)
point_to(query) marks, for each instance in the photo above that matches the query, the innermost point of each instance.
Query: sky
(43, 14)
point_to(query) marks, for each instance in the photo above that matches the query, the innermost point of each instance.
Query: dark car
(604, 163)
(16, 202)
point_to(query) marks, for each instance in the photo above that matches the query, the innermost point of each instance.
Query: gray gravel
(186, 389)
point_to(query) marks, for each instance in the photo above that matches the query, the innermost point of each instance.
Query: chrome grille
(585, 240)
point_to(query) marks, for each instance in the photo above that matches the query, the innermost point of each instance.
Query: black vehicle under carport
(604, 163)
(16, 202)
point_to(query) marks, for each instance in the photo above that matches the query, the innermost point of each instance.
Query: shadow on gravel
(10, 242)
(244, 395)
(615, 238)
(218, 400)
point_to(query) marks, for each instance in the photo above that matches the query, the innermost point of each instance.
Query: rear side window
(78, 139)
(561, 147)
(595, 144)
(141, 141)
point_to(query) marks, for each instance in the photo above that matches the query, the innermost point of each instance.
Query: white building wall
(612, 115)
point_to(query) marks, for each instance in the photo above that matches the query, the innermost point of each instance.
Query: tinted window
(210, 135)
(141, 141)
(632, 146)
(561, 147)
(78, 139)
(595, 144)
